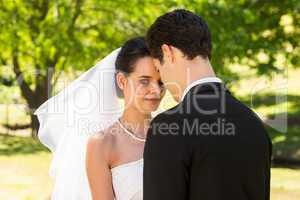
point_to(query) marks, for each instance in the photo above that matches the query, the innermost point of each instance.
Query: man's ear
(168, 54)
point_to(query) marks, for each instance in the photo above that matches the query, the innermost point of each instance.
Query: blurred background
(45, 44)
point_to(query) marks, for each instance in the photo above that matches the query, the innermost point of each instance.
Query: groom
(210, 146)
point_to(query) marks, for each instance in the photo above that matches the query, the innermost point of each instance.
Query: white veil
(88, 105)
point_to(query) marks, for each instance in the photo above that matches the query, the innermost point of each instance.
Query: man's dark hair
(183, 30)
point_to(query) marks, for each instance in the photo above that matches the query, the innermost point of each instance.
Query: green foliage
(40, 38)
(68, 33)
(13, 145)
(253, 32)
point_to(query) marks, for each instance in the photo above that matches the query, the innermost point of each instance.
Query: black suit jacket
(208, 147)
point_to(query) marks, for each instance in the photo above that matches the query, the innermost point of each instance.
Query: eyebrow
(145, 77)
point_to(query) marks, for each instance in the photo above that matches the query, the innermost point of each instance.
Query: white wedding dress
(127, 180)
(84, 107)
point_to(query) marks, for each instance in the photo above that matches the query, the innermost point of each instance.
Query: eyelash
(144, 82)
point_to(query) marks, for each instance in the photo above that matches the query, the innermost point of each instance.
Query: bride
(114, 156)
(97, 144)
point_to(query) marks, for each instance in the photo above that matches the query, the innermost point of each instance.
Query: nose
(156, 89)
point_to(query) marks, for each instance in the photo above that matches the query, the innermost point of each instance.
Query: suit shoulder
(168, 115)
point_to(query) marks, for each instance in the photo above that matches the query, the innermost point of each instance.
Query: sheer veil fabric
(87, 105)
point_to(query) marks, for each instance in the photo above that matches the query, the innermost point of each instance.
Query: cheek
(167, 70)
(162, 72)
(138, 91)
(141, 92)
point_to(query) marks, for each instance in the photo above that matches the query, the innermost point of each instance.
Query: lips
(152, 99)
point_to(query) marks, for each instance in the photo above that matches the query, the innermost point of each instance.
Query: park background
(45, 44)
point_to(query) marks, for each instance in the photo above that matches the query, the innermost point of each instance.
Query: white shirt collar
(200, 81)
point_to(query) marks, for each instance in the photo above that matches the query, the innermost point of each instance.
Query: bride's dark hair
(131, 51)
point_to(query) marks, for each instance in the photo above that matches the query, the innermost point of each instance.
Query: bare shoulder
(101, 144)
(98, 156)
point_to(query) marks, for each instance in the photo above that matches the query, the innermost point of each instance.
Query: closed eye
(145, 81)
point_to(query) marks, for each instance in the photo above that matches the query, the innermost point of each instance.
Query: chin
(148, 108)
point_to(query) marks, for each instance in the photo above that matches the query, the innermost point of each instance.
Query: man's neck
(194, 74)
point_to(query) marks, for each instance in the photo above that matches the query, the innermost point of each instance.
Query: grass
(25, 176)
(285, 184)
(24, 164)
(16, 145)
(24, 173)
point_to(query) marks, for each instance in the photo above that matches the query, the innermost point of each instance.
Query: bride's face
(143, 87)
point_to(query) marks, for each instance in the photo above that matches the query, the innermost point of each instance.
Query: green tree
(41, 38)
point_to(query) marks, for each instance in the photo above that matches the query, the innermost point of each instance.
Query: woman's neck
(136, 121)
